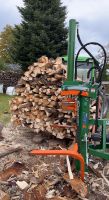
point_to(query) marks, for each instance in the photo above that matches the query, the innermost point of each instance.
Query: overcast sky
(93, 16)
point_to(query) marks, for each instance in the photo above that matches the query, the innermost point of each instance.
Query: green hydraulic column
(71, 50)
(83, 126)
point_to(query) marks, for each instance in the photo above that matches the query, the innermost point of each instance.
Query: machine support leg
(104, 136)
(73, 153)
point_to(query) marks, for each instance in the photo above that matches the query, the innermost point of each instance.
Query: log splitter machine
(96, 144)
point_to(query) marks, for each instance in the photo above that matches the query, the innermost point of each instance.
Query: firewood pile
(9, 78)
(38, 104)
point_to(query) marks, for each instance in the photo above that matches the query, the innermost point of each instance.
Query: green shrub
(2, 65)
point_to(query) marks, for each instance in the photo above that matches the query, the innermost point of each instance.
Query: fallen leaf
(14, 170)
(36, 193)
(77, 185)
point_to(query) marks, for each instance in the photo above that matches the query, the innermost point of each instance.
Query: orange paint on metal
(73, 153)
(72, 108)
(64, 126)
(85, 94)
(74, 93)
(69, 104)
(70, 92)
(72, 100)
(83, 126)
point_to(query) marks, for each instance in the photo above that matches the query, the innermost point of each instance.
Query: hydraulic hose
(95, 62)
(83, 47)
(97, 66)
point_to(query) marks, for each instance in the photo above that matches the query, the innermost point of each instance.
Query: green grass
(4, 108)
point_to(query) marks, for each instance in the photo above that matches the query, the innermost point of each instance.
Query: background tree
(6, 37)
(101, 57)
(42, 31)
(2, 65)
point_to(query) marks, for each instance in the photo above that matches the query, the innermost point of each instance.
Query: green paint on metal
(80, 59)
(83, 112)
(83, 125)
(104, 136)
(101, 150)
(70, 83)
(97, 152)
(71, 50)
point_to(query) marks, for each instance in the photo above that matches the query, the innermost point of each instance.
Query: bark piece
(9, 151)
(37, 193)
(77, 185)
(4, 196)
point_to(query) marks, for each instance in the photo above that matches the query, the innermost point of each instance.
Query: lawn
(4, 108)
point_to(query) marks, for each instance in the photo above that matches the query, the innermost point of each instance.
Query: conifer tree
(41, 32)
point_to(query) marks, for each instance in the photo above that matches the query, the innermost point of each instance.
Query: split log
(38, 104)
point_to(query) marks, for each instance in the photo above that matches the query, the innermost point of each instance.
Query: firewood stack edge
(38, 104)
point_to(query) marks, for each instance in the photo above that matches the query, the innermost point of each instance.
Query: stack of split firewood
(38, 104)
(9, 78)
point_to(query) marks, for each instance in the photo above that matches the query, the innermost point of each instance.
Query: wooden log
(38, 104)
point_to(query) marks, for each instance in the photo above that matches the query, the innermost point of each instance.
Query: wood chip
(4, 196)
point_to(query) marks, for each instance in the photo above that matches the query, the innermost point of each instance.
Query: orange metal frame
(64, 126)
(70, 104)
(73, 153)
(74, 93)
